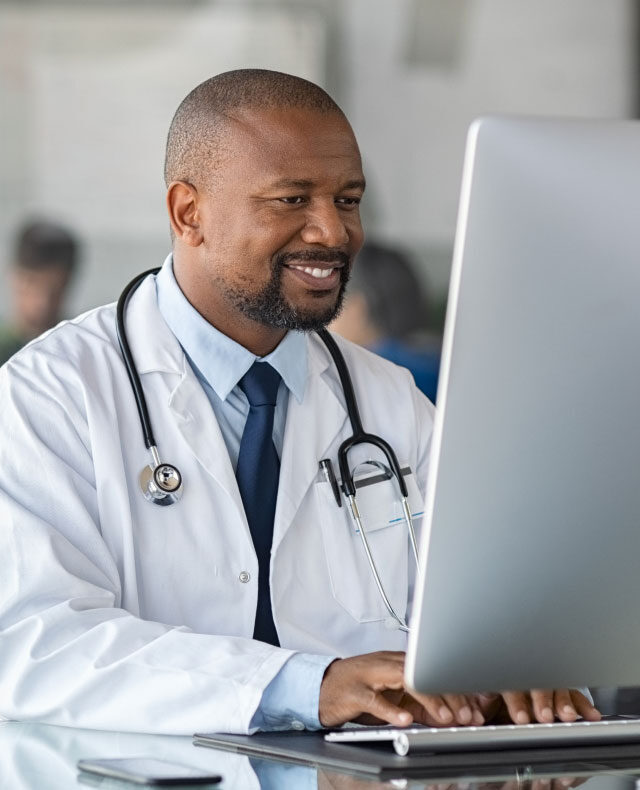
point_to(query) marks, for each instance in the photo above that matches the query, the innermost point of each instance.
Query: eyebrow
(304, 183)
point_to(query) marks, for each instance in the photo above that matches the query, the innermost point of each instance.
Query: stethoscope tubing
(358, 436)
(167, 495)
(136, 384)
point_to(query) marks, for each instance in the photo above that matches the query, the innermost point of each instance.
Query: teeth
(315, 272)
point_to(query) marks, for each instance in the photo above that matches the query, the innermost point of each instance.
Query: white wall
(87, 94)
(569, 58)
(87, 97)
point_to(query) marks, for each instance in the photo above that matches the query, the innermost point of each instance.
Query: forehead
(294, 143)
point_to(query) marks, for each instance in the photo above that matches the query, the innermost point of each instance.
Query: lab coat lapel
(200, 430)
(311, 428)
(156, 350)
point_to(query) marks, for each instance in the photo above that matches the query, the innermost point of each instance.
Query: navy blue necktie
(257, 473)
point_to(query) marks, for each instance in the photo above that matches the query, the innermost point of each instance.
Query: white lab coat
(119, 614)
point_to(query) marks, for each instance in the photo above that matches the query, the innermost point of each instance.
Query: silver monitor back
(530, 551)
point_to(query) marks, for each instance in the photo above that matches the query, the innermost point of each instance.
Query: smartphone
(147, 771)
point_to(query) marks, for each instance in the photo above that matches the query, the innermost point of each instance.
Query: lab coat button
(244, 577)
(297, 725)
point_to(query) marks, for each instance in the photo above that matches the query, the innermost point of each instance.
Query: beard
(269, 306)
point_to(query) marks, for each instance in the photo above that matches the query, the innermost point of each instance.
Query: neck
(257, 338)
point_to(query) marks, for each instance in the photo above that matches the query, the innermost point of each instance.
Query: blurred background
(88, 89)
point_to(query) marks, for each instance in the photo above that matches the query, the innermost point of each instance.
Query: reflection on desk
(44, 757)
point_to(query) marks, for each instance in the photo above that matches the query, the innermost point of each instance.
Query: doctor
(224, 611)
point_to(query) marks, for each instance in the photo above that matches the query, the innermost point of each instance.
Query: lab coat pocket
(352, 580)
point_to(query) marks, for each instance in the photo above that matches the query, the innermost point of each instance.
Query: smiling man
(248, 603)
(265, 237)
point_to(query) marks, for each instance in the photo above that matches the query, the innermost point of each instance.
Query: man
(44, 260)
(119, 614)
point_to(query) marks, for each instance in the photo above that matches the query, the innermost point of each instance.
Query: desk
(43, 757)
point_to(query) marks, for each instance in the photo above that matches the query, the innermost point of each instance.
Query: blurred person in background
(44, 260)
(386, 311)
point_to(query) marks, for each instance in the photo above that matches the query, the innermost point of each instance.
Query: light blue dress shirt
(291, 699)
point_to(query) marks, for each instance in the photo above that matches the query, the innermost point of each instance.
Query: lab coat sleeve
(70, 654)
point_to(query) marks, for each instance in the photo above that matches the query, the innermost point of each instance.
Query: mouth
(317, 275)
(317, 272)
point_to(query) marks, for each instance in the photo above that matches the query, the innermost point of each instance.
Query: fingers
(564, 708)
(567, 705)
(545, 705)
(371, 686)
(489, 703)
(353, 686)
(584, 707)
(438, 711)
(465, 709)
(370, 689)
(450, 710)
(379, 706)
(518, 705)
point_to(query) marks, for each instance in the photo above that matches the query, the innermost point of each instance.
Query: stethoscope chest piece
(161, 484)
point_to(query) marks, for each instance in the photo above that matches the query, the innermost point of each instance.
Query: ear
(182, 204)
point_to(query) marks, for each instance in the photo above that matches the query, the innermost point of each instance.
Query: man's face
(280, 218)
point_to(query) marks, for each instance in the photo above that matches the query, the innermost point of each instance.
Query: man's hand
(370, 689)
(541, 705)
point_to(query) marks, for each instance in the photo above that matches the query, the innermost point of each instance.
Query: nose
(325, 225)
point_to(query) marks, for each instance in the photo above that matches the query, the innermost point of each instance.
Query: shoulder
(69, 352)
(93, 326)
(364, 364)
(374, 378)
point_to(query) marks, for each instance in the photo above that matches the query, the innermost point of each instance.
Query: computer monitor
(530, 552)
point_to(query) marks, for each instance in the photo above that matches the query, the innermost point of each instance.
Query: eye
(294, 200)
(348, 202)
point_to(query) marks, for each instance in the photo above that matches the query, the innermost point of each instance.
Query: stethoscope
(162, 484)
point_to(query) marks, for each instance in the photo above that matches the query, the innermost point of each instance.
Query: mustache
(323, 256)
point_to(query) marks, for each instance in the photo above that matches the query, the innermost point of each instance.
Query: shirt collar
(220, 360)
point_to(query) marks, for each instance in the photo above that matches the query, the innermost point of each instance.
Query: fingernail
(445, 713)
(546, 714)
(405, 718)
(521, 717)
(569, 711)
(478, 718)
(464, 714)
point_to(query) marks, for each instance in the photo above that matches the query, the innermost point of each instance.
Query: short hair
(395, 297)
(41, 244)
(197, 127)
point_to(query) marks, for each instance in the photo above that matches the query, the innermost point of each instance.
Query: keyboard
(615, 729)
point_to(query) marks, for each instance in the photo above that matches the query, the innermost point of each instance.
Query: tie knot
(260, 384)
